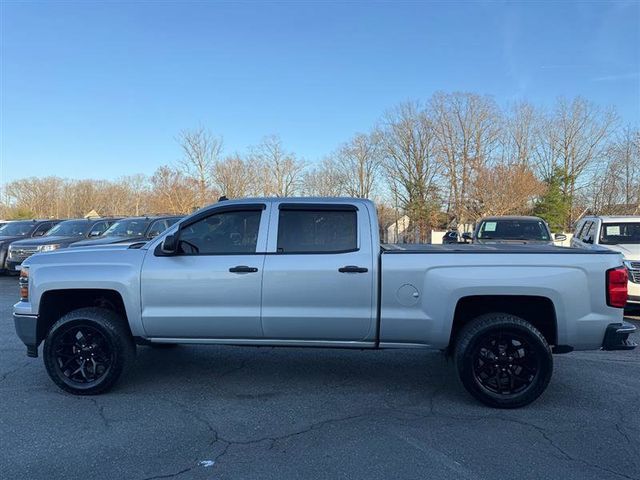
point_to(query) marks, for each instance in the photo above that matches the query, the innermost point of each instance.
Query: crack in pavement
(169, 475)
(564, 453)
(19, 367)
(276, 439)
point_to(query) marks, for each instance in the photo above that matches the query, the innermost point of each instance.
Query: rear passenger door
(318, 280)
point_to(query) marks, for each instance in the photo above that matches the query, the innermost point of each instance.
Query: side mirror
(170, 244)
(467, 237)
(588, 239)
(153, 234)
(94, 234)
(560, 237)
(39, 233)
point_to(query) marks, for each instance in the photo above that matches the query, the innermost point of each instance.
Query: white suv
(621, 234)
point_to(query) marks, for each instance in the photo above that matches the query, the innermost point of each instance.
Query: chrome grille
(635, 265)
(634, 276)
(19, 254)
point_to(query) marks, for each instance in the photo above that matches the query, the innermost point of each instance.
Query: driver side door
(211, 287)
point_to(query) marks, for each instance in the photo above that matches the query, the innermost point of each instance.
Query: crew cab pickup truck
(310, 272)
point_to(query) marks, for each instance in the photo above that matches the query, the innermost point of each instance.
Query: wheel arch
(539, 311)
(56, 303)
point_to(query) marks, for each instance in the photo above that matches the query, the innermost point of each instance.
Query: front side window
(70, 228)
(157, 228)
(620, 233)
(317, 231)
(231, 232)
(98, 229)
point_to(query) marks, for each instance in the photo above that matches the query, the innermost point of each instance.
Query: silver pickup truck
(311, 273)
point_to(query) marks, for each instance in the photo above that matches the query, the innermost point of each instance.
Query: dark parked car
(513, 229)
(451, 236)
(19, 230)
(60, 236)
(134, 229)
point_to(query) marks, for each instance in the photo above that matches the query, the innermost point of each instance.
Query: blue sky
(101, 89)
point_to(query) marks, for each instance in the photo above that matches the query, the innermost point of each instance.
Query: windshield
(16, 229)
(620, 233)
(70, 228)
(513, 230)
(128, 228)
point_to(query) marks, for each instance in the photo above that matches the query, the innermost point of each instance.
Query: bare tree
(572, 139)
(360, 161)
(236, 177)
(136, 190)
(505, 190)
(412, 170)
(282, 170)
(201, 150)
(520, 133)
(173, 192)
(467, 129)
(325, 180)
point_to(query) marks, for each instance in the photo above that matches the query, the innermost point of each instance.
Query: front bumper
(616, 337)
(27, 329)
(634, 293)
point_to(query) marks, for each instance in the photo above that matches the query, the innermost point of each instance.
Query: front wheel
(87, 350)
(503, 360)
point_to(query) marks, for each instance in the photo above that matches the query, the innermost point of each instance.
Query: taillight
(617, 293)
(24, 284)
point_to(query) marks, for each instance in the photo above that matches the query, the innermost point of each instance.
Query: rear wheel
(503, 360)
(87, 350)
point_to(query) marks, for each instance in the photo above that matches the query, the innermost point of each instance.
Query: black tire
(111, 351)
(523, 361)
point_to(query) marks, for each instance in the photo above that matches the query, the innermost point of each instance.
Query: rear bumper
(27, 330)
(616, 337)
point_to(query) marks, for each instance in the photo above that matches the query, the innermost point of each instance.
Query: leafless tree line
(450, 159)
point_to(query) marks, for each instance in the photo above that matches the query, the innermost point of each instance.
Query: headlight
(48, 248)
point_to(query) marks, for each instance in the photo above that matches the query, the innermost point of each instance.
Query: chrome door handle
(243, 269)
(353, 269)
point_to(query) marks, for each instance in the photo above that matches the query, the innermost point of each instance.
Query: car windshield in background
(69, 228)
(513, 230)
(16, 229)
(620, 233)
(128, 228)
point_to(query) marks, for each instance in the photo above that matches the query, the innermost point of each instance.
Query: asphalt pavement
(262, 413)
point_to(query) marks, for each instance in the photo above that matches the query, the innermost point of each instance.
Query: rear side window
(317, 231)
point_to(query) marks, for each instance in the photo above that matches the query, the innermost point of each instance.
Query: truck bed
(389, 248)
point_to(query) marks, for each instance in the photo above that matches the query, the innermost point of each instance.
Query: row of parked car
(618, 233)
(22, 238)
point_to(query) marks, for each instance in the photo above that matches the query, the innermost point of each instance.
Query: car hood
(9, 239)
(111, 239)
(34, 242)
(630, 251)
